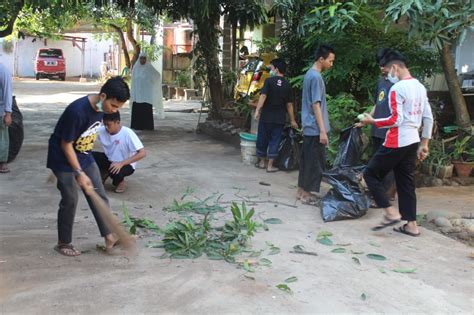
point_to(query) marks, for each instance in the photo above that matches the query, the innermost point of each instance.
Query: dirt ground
(35, 279)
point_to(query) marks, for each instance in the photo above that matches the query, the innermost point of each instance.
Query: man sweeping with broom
(71, 162)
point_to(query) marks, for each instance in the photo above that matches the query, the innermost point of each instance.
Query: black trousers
(389, 179)
(104, 165)
(403, 163)
(312, 164)
(68, 187)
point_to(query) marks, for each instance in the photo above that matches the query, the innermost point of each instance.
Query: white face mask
(392, 78)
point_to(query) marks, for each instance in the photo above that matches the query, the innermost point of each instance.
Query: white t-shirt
(120, 146)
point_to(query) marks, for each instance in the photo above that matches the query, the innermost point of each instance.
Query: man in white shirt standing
(409, 110)
(122, 149)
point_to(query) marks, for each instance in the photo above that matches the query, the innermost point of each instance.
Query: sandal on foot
(309, 201)
(386, 223)
(67, 250)
(402, 229)
(257, 165)
(4, 170)
(272, 170)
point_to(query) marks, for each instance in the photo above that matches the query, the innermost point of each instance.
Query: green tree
(38, 17)
(443, 23)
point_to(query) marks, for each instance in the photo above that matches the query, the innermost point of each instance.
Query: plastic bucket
(248, 148)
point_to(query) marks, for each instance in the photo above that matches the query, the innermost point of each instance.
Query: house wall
(465, 54)
(21, 61)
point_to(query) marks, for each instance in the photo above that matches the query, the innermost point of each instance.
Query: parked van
(50, 63)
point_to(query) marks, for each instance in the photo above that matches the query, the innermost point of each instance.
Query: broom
(111, 221)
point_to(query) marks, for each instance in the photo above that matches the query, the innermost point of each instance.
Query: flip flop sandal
(402, 229)
(4, 170)
(64, 249)
(257, 165)
(273, 170)
(388, 222)
(309, 201)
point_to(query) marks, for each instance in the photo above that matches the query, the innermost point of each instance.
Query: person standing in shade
(273, 104)
(70, 160)
(122, 150)
(409, 110)
(315, 122)
(6, 100)
(381, 109)
(146, 94)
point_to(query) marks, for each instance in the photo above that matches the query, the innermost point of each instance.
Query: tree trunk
(119, 31)
(135, 44)
(209, 46)
(459, 102)
(235, 47)
(9, 27)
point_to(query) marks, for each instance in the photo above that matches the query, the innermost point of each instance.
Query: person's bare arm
(261, 102)
(115, 167)
(82, 179)
(323, 137)
(291, 113)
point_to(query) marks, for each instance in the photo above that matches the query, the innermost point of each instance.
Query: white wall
(25, 52)
(465, 54)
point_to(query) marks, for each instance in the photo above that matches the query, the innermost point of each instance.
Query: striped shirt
(409, 108)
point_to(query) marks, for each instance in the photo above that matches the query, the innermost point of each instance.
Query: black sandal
(387, 222)
(402, 229)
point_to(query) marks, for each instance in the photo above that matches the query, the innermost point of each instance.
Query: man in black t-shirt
(273, 104)
(70, 158)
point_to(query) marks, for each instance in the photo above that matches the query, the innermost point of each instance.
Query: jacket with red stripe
(409, 108)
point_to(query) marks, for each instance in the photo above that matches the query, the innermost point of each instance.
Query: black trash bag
(15, 131)
(347, 198)
(351, 147)
(288, 151)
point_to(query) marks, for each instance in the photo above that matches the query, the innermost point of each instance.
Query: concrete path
(35, 279)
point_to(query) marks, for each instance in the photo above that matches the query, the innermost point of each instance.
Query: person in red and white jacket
(409, 110)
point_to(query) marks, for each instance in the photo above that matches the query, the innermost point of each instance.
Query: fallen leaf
(285, 288)
(374, 244)
(363, 297)
(255, 254)
(325, 241)
(338, 250)
(274, 250)
(298, 248)
(247, 266)
(273, 221)
(356, 260)
(404, 270)
(382, 270)
(324, 234)
(376, 257)
(344, 244)
(269, 244)
(249, 277)
(291, 279)
(356, 252)
(265, 262)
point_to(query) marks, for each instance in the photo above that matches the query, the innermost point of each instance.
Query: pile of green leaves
(133, 223)
(190, 239)
(199, 207)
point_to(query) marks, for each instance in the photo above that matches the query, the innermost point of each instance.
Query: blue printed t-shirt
(79, 124)
(382, 109)
(314, 90)
(278, 92)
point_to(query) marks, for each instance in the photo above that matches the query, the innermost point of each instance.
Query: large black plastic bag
(15, 132)
(347, 198)
(288, 151)
(351, 147)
